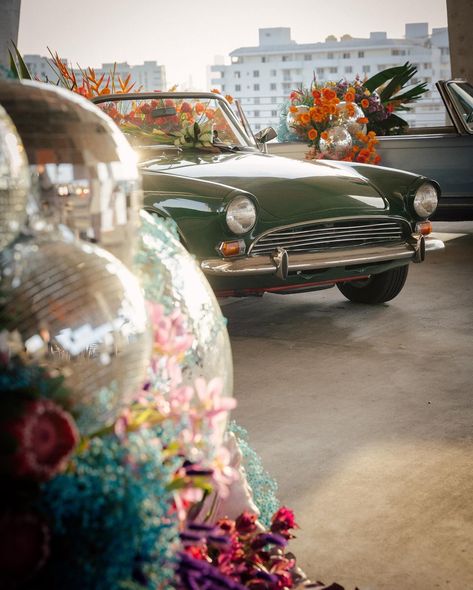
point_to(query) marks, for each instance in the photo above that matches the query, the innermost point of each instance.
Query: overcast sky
(186, 35)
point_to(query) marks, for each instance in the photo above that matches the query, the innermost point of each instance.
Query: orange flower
(304, 118)
(293, 109)
(365, 103)
(377, 159)
(324, 135)
(199, 108)
(371, 134)
(229, 98)
(328, 94)
(215, 91)
(316, 94)
(349, 97)
(362, 120)
(312, 134)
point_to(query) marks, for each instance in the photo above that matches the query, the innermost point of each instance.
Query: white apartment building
(148, 76)
(262, 77)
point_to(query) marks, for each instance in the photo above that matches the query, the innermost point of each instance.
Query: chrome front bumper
(281, 263)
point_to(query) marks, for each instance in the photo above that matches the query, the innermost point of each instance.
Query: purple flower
(268, 539)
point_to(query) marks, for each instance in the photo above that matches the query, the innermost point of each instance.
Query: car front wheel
(377, 288)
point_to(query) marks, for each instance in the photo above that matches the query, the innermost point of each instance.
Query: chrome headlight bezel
(240, 215)
(425, 201)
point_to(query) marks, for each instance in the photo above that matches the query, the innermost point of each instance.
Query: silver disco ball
(348, 115)
(337, 145)
(84, 167)
(172, 278)
(80, 313)
(14, 181)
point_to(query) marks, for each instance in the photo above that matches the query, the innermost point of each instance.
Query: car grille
(311, 237)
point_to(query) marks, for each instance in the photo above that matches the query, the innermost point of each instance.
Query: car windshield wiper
(225, 147)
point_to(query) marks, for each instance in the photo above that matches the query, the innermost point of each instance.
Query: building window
(320, 70)
(274, 73)
(427, 66)
(274, 113)
(264, 59)
(272, 86)
(333, 70)
(255, 73)
(237, 74)
(274, 100)
(257, 127)
(255, 86)
(366, 69)
(256, 113)
(286, 86)
(361, 54)
(285, 58)
(329, 55)
(348, 69)
(307, 57)
(346, 55)
(256, 100)
(398, 52)
(237, 88)
(444, 51)
(223, 87)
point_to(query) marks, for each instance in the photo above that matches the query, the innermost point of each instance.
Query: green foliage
(18, 68)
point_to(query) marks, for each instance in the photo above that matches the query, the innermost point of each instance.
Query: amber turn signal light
(424, 228)
(233, 248)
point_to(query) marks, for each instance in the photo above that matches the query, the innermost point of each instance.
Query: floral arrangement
(323, 114)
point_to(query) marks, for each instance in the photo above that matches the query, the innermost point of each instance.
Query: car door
(442, 153)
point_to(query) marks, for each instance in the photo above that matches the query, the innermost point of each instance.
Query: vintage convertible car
(444, 153)
(259, 223)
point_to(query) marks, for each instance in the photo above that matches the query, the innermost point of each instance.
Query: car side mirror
(265, 135)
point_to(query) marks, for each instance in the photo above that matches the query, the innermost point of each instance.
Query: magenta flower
(46, 436)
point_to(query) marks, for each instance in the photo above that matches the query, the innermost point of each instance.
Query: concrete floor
(364, 417)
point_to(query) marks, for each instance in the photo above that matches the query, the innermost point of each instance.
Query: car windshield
(188, 121)
(462, 94)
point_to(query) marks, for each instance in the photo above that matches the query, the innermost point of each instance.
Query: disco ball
(81, 314)
(172, 278)
(14, 181)
(337, 145)
(292, 119)
(85, 169)
(348, 115)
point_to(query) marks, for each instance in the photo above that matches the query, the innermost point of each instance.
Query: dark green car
(259, 223)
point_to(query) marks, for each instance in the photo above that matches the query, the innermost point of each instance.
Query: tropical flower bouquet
(340, 120)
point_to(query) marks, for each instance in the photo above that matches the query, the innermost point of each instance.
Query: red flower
(45, 436)
(246, 523)
(226, 525)
(24, 547)
(186, 108)
(283, 521)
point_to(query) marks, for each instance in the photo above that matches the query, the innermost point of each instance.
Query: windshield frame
(223, 103)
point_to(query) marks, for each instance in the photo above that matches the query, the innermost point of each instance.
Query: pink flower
(45, 436)
(170, 335)
(211, 398)
(24, 547)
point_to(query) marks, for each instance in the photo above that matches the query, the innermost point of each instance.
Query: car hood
(285, 189)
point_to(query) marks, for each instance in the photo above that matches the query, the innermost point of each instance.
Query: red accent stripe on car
(255, 291)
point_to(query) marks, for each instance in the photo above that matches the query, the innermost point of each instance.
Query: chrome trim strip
(264, 265)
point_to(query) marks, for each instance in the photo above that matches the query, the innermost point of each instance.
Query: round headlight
(241, 215)
(425, 200)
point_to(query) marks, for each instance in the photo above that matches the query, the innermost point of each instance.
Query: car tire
(378, 288)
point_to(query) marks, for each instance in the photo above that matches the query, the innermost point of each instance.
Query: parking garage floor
(364, 417)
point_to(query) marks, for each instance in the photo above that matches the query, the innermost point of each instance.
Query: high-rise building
(9, 21)
(262, 77)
